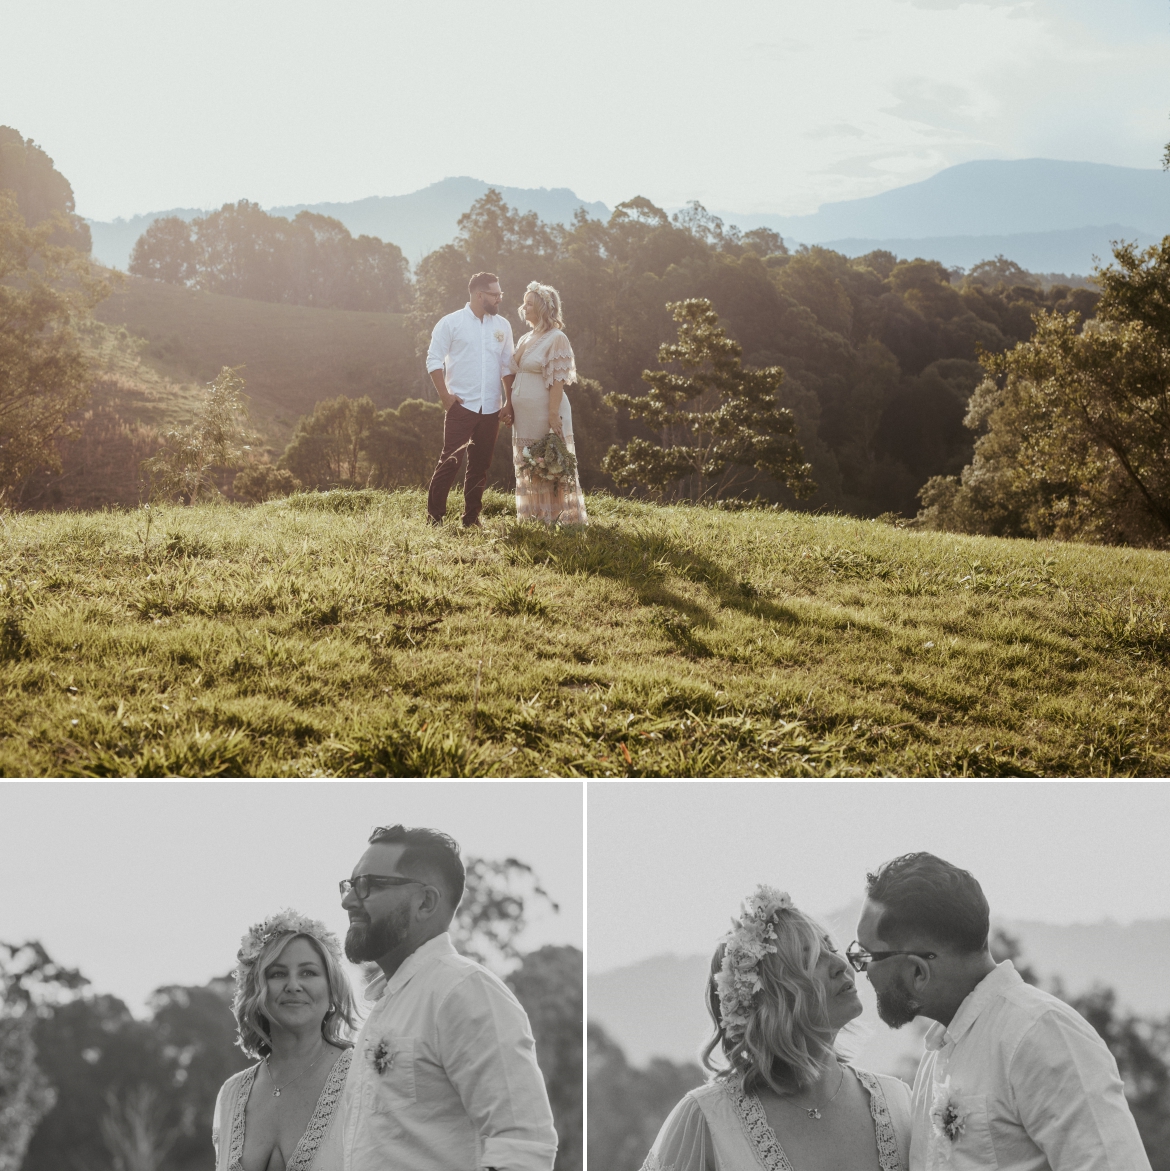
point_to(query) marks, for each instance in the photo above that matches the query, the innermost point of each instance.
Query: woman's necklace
(276, 1092)
(813, 1111)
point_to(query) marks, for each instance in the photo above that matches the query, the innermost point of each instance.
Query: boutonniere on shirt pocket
(946, 1118)
(499, 335)
(381, 1057)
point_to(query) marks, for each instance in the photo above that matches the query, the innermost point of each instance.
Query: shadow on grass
(642, 560)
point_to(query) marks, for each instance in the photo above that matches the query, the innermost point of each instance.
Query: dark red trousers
(477, 433)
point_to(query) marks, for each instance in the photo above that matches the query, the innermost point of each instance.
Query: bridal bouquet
(550, 459)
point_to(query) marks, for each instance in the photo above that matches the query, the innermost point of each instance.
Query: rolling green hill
(336, 633)
(292, 356)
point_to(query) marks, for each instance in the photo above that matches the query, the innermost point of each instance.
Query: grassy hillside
(292, 356)
(337, 634)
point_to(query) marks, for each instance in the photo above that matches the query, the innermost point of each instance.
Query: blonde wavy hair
(548, 305)
(252, 1026)
(787, 1043)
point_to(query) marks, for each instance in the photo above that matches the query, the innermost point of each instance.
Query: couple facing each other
(483, 381)
(443, 1072)
(1011, 1078)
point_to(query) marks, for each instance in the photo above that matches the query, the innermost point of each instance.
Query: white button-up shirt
(474, 356)
(444, 1074)
(1035, 1087)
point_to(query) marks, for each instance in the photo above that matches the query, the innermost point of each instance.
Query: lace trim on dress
(559, 364)
(883, 1125)
(763, 1138)
(306, 1149)
(236, 1150)
(755, 1124)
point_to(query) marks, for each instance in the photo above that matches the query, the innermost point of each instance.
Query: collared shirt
(1035, 1087)
(444, 1074)
(474, 356)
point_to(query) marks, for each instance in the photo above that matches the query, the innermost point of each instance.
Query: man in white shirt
(1011, 1077)
(444, 1074)
(469, 363)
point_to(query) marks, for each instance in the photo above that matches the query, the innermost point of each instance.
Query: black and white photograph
(887, 976)
(274, 976)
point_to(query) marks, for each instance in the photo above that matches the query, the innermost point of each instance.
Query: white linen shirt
(460, 1089)
(1038, 1087)
(474, 356)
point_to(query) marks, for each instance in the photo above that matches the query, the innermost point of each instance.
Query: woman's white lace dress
(320, 1145)
(719, 1127)
(538, 363)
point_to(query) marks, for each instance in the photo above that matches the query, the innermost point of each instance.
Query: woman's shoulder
(892, 1086)
(234, 1082)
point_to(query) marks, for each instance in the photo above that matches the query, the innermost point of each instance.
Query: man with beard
(1011, 1077)
(469, 361)
(444, 1073)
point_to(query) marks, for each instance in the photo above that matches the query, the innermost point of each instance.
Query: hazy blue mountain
(655, 1007)
(1071, 251)
(425, 220)
(991, 197)
(418, 223)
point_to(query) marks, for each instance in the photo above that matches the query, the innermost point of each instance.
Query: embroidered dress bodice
(312, 1143)
(720, 1127)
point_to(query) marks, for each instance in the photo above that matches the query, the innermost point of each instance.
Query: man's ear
(921, 976)
(431, 902)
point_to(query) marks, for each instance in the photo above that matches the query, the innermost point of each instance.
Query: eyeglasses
(364, 883)
(860, 959)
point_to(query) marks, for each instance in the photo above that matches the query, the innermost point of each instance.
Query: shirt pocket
(973, 1148)
(393, 1088)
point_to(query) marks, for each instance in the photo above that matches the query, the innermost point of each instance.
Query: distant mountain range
(655, 1007)
(1048, 216)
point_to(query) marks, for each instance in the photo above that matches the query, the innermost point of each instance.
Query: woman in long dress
(779, 992)
(293, 1011)
(544, 365)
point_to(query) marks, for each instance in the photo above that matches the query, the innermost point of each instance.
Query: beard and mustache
(370, 940)
(896, 1006)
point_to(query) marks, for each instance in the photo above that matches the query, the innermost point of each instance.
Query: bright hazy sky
(670, 863)
(748, 105)
(145, 884)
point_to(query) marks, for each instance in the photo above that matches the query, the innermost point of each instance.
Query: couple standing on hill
(483, 380)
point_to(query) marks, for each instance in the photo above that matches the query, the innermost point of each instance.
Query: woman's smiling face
(297, 987)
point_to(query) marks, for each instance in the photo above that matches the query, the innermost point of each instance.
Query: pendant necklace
(276, 1092)
(814, 1112)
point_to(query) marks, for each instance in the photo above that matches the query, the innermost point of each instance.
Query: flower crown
(751, 937)
(259, 935)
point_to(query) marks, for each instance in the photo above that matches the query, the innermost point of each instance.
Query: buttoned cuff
(517, 1154)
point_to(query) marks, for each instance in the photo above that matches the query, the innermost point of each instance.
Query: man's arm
(436, 360)
(507, 413)
(489, 1057)
(1071, 1099)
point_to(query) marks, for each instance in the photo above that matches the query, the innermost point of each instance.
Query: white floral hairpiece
(752, 937)
(284, 922)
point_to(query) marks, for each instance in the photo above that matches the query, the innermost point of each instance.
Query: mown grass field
(336, 634)
(292, 356)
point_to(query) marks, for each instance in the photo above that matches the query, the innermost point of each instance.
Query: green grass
(337, 634)
(292, 356)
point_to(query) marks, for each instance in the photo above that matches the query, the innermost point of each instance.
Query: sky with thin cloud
(143, 884)
(670, 863)
(749, 105)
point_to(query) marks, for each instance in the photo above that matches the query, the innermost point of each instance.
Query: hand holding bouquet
(550, 459)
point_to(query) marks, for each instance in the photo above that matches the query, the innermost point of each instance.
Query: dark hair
(429, 847)
(927, 899)
(481, 280)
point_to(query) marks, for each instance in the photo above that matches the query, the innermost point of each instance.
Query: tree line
(242, 251)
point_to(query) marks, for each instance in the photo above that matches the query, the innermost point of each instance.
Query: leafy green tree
(726, 416)
(41, 191)
(261, 481)
(217, 437)
(46, 294)
(166, 251)
(329, 448)
(404, 444)
(1076, 422)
